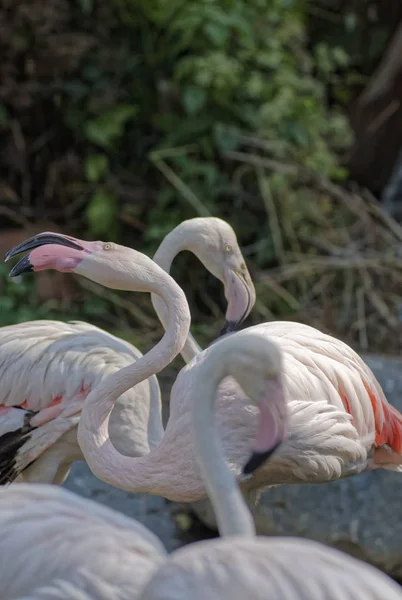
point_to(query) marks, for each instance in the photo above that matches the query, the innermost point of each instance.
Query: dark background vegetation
(121, 118)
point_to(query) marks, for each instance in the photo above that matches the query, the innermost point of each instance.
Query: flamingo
(340, 421)
(215, 244)
(57, 546)
(240, 564)
(62, 361)
(30, 429)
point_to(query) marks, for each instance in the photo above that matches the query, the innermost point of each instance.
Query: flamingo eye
(228, 248)
(107, 246)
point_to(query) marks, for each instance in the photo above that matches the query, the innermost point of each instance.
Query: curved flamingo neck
(232, 514)
(128, 473)
(174, 243)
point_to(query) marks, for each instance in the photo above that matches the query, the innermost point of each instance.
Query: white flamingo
(340, 421)
(242, 565)
(214, 243)
(44, 363)
(56, 546)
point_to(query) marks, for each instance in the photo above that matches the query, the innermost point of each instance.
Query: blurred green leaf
(109, 126)
(340, 174)
(193, 99)
(217, 32)
(86, 6)
(95, 306)
(96, 166)
(102, 213)
(350, 21)
(226, 138)
(6, 303)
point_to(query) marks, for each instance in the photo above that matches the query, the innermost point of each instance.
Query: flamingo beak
(272, 427)
(58, 242)
(240, 295)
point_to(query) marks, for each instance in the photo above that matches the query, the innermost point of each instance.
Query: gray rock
(154, 512)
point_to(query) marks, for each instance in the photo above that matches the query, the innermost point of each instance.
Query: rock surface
(361, 515)
(154, 512)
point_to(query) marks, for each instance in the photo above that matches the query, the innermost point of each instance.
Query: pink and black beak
(240, 296)
(258, 458)
(26, 264)
(272, 427)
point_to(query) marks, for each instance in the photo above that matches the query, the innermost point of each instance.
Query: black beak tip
(23, 266)
(230, 327)
(257, 459)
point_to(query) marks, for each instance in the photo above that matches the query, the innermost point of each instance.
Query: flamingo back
(50, 535)
(267, 568)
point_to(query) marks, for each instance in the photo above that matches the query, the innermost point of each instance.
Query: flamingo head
(256, 364)
(106, 263)
(215, 244)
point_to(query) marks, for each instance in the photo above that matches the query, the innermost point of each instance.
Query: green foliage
(210, 107)
(101, 214)
(108, 127)
(18, 303)
(239, 68)
(179, 86)
(96, 166)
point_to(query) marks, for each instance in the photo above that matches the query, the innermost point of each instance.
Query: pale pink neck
(131, 474)
(175, 242)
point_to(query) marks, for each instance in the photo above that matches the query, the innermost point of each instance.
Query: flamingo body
(56, 545)
(266, 569)
(54, 542)
(340, 421)
(47, 370)
(338, 416)
(60, 546)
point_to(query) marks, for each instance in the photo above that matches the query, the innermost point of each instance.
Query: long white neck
(131, 474)
(232, 514)
(173, 243)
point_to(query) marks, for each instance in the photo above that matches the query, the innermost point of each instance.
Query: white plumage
(47, 368)
(46, 360)
(243, 565)
(328, 440)
(55, 545)
(267, 569)
(340, 425)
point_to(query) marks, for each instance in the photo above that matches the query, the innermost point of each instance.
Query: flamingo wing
(348, 382)
(47, 368)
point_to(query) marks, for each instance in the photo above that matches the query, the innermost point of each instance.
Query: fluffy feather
(58, 546)
(46, 370)
(52, 538)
